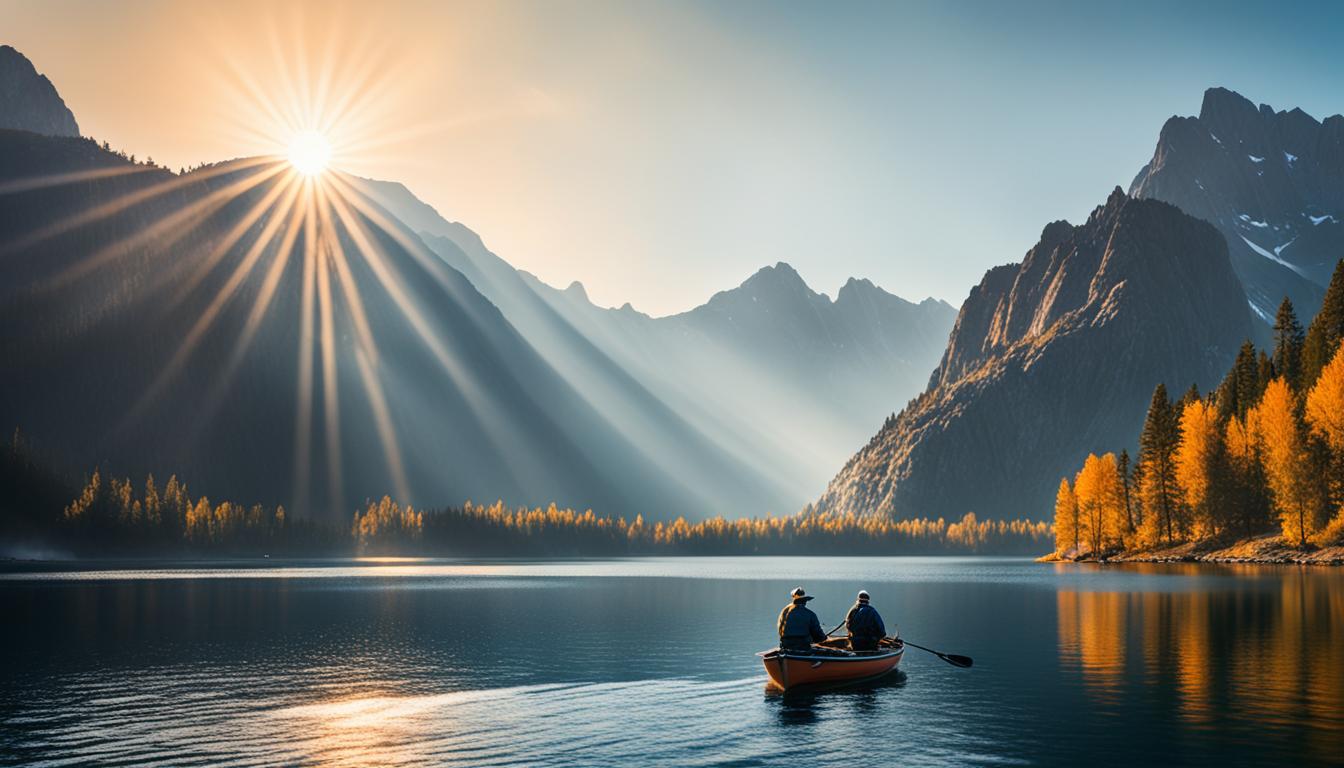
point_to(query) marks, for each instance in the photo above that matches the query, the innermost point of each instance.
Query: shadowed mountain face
(110, 272)
(1052, 358)
(30, 102)
(781, 377)
(1271, 182)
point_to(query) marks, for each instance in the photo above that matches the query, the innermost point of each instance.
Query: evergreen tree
(1191, 396)
(1288, 341)
(1157, 445)
(1326, 330)
(1240, 388)
(1264, 373)
(1247, 495)
(1136, 497)
(1126, 481)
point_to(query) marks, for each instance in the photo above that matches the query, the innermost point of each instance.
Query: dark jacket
(799, 627)
(863, 621)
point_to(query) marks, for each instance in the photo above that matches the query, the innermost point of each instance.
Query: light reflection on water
(650, 662)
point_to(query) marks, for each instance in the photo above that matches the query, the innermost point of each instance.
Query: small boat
(830, 663)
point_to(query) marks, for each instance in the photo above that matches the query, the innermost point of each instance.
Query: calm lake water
(650, 662)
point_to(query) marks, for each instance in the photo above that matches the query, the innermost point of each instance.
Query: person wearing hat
(799, 627)
(864, 625)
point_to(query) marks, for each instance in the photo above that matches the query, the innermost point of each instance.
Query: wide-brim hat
(799, 596)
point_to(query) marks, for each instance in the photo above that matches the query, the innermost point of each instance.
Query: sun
(309, 152)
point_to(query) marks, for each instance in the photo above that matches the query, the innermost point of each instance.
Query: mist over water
(650, 661)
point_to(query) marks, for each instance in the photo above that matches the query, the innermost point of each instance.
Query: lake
(650, 662)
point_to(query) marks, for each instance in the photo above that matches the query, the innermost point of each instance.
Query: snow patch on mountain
(1260, 313)
(1271, 256)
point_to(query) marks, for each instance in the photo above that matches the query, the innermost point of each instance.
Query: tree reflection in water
(1262, 647)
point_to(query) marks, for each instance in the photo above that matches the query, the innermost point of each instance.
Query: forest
(114, 517)
(1263, 451)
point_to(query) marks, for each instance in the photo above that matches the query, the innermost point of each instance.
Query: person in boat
(864, 624)
(799, 627)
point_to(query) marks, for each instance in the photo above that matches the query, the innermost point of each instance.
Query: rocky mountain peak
(577, 291)
(1051, 358)
(1272, 182)
(1227, 113)
(1055, 233)
(780, 275)
(28, 100)
(858, 289)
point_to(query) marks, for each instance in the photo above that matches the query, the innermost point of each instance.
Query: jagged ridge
(1052, 358)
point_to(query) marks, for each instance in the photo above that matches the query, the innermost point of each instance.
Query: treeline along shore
(113, 517)
(1252, 471)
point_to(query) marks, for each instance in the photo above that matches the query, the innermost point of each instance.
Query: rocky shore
(1268, 549)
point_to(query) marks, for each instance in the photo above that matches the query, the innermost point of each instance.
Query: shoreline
(1267, 549)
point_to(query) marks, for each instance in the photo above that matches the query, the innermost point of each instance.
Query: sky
(660, 152)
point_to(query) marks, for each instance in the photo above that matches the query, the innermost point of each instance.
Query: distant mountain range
(477, 380)
(1273, 185)
(781, 376)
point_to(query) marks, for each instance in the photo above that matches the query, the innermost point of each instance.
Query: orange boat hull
(792, 669)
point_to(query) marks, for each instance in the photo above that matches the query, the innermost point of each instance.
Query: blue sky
(659, 152)
(967, 126)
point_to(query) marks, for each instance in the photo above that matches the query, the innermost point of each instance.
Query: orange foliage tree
(1287, 462)
(1325, 415)
(1101, 505)
(1197, 459)
(1068, 536)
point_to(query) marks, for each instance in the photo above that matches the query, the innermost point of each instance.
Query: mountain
(1051, 358)
(784, 378)
(167, 323)
(1271, 182)
(30, 100)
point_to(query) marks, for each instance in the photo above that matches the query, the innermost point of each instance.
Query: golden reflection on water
(374, 729)
(1264, 645)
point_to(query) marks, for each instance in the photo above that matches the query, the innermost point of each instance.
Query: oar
(837, 626)
(955, 660)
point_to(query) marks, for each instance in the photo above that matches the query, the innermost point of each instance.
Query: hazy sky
(659, 152)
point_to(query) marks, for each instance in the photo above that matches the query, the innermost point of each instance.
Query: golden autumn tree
(1197, 459)
(1287, 462)
(1101, 512)
(1067, 533)
(1325, 416)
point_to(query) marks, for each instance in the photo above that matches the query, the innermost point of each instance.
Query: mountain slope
(721, 478)
(100, 289)
(1271, 182)
(1052, 358)
(30, 100)
(781, 377)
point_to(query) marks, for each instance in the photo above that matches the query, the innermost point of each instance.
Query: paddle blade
(957, 660)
